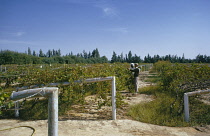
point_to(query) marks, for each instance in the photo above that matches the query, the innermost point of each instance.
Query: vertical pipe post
(113, 99)
(53, 114)
(16, 109)
(186, 108)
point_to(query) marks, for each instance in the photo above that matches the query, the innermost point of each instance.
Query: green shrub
(150, 90)
(157, 112)
(168, 107)
(74, 93)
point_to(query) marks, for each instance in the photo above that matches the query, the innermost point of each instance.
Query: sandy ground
(96, 128)
(90, 123)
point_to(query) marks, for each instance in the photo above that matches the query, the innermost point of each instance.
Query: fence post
(16, 109)
(52, 94)
(186, 108)
(53, 114)
(113, 99)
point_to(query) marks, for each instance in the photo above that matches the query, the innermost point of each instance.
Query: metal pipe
(52, 93)
(186, 102)
(113, 98)
(186, 108)
(37, 92)
(112, 78)
(17, 109)
(53, 113)
(43, 92)
(89, 80)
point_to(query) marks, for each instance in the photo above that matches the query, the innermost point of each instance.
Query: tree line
(152, 59)
(50, 57)
(54, 56)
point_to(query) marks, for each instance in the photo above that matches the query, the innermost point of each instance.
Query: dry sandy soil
(96, 128)
(93, 122)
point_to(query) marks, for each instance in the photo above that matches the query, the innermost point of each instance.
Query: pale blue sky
(142, 26)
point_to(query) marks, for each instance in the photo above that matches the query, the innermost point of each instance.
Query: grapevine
(177, 79)
(74, 93)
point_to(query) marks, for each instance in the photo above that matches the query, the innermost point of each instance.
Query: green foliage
(153, 79)
(34, 110)
(4, 101)
(150, 90)
(168, 107)
(54, 57)
(51, 57)
(157, 112)
(199, 112)
(75, 93)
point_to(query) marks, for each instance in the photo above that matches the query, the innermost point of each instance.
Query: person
(136, 71)
(132, 66)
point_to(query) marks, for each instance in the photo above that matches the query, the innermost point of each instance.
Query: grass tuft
(157, 112)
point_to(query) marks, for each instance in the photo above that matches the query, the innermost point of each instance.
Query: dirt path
(95, 128)
(92, 121)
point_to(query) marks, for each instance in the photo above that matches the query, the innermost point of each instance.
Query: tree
(54, 52)
(121, 58)
(89, 55)
(85, 55)
(41, 54)
(71, 54)
(129, 57)
(95, 54)
(126, 58)
(59, 53)
(136, 59)
(183, 59)
(34, 53)
(104, 59)
(49, 53)
(29, 51)
(114, 57)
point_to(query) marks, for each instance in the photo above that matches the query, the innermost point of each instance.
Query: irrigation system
(186, 102)
(52, 94)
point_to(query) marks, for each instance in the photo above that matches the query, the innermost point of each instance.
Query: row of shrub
(75, 93)
(168, 106)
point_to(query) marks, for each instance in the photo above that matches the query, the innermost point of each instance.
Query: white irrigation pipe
(112, 78)
(52, 94)
(90, 80)
(113, 99)
(186, 102)
(98, 79)
(16, 109)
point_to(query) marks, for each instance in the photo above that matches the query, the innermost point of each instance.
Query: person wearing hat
(136, 71)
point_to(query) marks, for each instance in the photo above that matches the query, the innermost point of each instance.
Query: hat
(132, 64)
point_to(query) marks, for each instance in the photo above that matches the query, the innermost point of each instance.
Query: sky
(143, 27)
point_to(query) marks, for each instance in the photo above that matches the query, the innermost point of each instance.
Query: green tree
(95, 54)
(129, 57)
(34, 53)
(29, 51)
(49, 53)
(85, 55)
(114, 57)
(41, 54)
